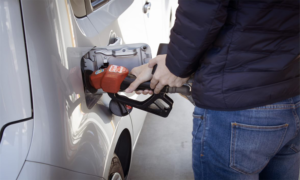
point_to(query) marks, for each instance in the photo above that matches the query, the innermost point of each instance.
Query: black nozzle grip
(146, 85)
(154, 69)
(162, 49)
(129, 79)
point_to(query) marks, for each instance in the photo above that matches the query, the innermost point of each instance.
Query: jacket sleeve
(197, 24)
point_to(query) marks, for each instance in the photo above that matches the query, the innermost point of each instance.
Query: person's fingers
(150, 92)
(133, 85)
(153, 83)
(138, 92)
(152, 63)
(145, 92)
(158, 88)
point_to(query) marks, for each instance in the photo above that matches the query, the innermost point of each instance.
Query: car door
(158, 20)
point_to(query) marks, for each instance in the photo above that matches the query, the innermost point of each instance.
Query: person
(244, 55)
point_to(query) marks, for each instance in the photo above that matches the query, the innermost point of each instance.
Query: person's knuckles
(156, 79)
(145, 92)
(164, 82)
(152, 85)
(138, 92)
(158, 88)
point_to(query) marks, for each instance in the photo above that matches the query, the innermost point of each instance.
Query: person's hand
(163, 76)
(143, 73)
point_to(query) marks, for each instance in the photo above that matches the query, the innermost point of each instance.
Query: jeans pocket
(252, 147)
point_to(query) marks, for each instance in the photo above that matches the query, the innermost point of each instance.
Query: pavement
(164, 148)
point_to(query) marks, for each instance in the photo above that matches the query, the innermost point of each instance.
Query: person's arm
(197, 24)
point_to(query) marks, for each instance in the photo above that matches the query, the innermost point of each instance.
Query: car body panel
(14, 148)
(105, 15)
(15, 100)
(86, 27)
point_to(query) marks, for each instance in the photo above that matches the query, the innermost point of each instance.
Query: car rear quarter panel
(66, 133)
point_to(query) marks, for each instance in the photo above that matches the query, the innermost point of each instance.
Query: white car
(47, 130)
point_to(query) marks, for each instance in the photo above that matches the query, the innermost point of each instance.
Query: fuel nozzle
(114, 79)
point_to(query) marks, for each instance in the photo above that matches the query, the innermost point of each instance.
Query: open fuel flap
(107, 70)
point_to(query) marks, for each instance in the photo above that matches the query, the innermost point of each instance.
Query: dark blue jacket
(245, 52)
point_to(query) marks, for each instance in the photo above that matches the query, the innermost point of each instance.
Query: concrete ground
(164, 148)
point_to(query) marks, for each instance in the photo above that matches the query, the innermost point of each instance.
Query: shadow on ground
(164, 149)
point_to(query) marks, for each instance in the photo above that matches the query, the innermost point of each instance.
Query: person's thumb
(133, 86)
(135, 71)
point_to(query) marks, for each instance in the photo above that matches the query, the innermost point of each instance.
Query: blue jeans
(258, 143)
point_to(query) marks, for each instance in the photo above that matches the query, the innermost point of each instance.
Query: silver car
(48, 131)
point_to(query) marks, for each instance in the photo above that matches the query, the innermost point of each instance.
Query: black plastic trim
(98, 3)
(123, 150)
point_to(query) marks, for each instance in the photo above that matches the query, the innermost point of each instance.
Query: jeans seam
(260, 127)
(281, 140)
(297, 121)
(232, 147)
(197, 130)
(297, 124)
(294, 149)
(203, 135)
(235, 168)
(277, 108)
(202, 141)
